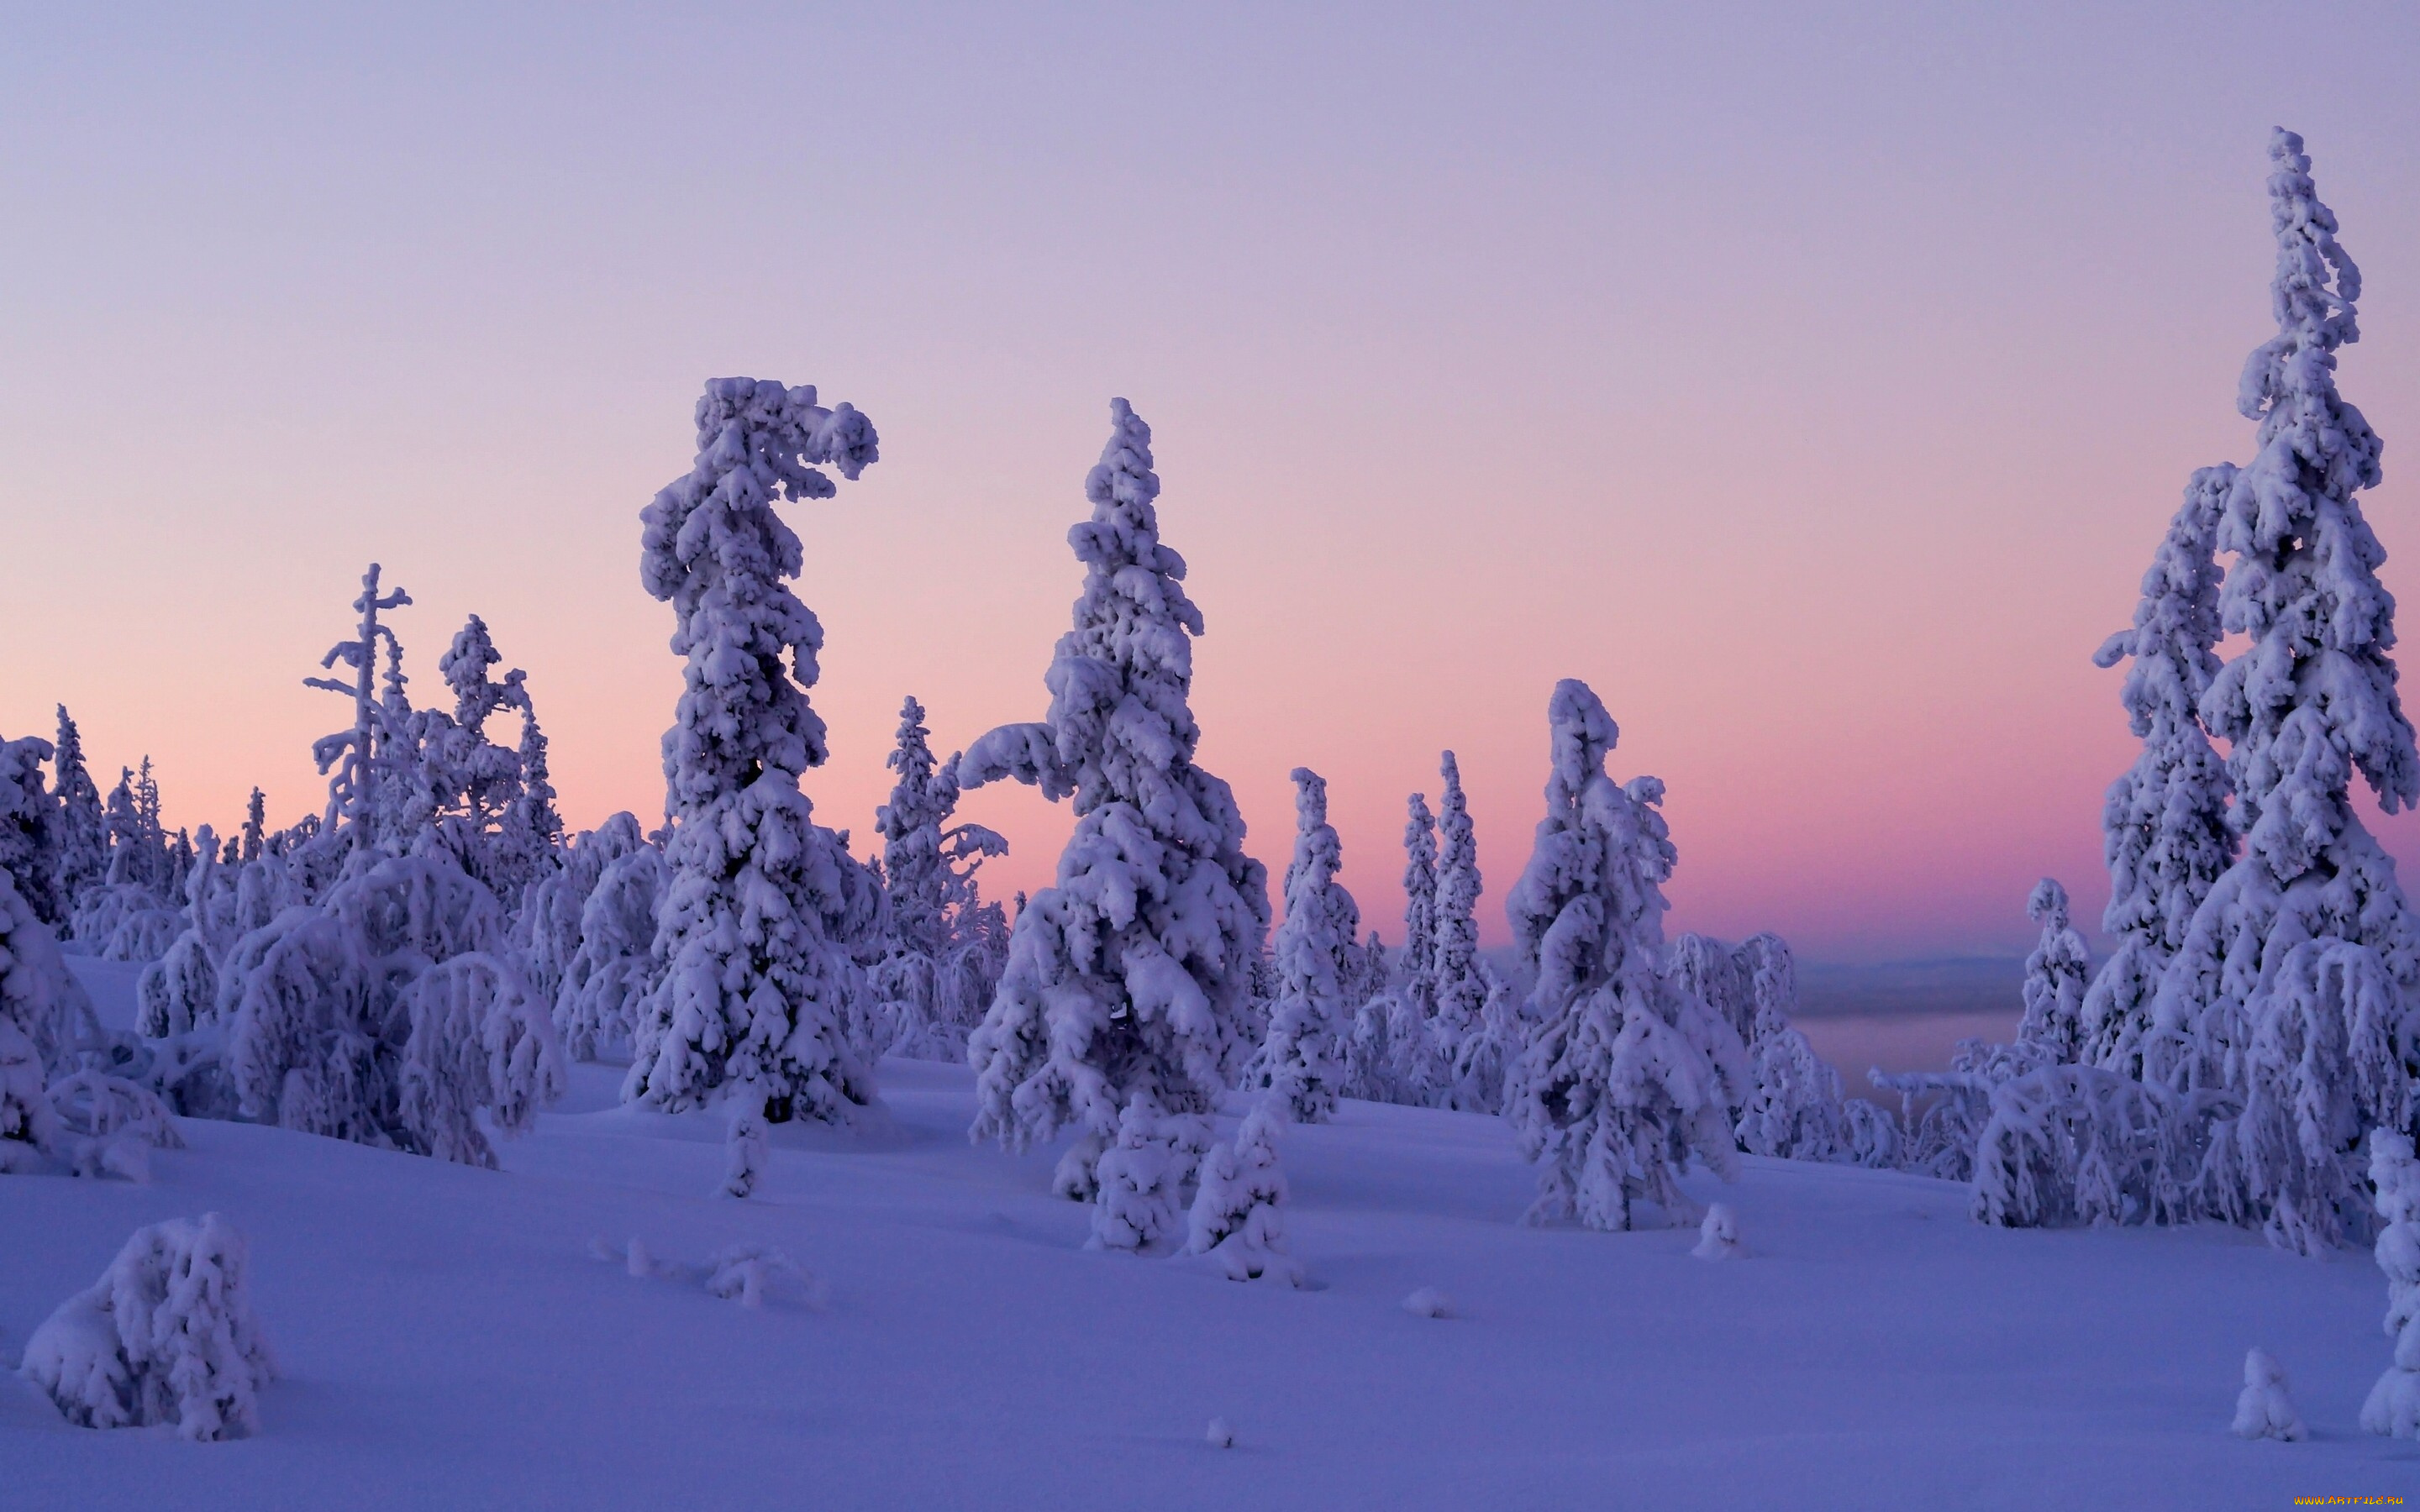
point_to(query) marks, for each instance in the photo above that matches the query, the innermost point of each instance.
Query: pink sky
(1816, 386)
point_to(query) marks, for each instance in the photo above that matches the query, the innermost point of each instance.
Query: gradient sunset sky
(1813, 382)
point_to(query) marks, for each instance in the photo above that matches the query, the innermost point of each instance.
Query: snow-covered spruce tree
(1126, 984)
(1794, 1109)
(756, 984)
(2292, 986)
(43, 1015)
(83, 833)
(179, 992)
(927, 868)
(1463, 980)
(546, 930)
(1490, 1056)
(167, 1335)
(29, 847)
(2394, 1404)
(2163, 826)
(2056, 975)
(349, 758)
(1305, 1061)
(255, 826)
(1625, 1073)
(1239, 1208)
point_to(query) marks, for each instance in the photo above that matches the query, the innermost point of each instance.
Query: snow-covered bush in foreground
(756, 980)
(166, 1336)
(1304, 1061)
(1626, 1074)
(2394, 1404)
(1127, 979)
(389, 1016)
(2263, 1411)
(1238, 1212)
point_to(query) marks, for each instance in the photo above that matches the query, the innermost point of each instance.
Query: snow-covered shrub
(2290, 984)
(1489, 1060)
(747, 1144)
(2394, 1404)
(1873, 1137)
(1625, 1075)
(388, 1015)
(546, 933)
(1220, 1435)
(2263, 1411)
(1794, 1108)
(44, 1017)
(1238, 1210)
(2068, 1144)
(754, 978)
(2056, 975)
(1136, 1178)
(1428, 1302)
(1718, 1237)
(108, 1125)
(1304, 1061)
(612, 970)
(2163, 826)
(166, 1336)
(1127, 978)
(748, 1273)
(2328, 1060)
(143, 934)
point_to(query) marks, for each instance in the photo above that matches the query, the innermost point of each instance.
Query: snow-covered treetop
(2305, 586)
(714, 532)
(349, 752)
(1592, 889)
(464, 666)
(2176, 621)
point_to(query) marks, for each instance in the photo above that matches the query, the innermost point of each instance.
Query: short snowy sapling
(747, 1145)
(1428, 1302)
(1626, 1074)
(2291, 984)
(1126, 979)
(1239, 1209)
(167, 1335)
(1138, 1177)
(2263, 1411)
(1718, 1237)
(1794, 1109)
(2394, 1404)
(1304, 1061)
(755, 978)
(928, 867)
(2056, 975)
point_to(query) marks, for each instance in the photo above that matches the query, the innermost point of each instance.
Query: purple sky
(1814, 383)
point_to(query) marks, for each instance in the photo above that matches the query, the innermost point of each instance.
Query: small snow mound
(1220, 1435)
(746, 1274)
(1429, 1303)
(1718, 1236)
(2263, 1411)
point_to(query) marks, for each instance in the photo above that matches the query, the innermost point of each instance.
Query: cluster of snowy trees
(2260, 1016)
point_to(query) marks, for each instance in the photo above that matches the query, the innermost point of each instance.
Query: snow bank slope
(446, 1341)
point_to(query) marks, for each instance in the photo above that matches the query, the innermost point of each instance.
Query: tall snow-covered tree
(755, 982)
(1124, 994)
(2292, 984)
(1463, 980)
(1305, 1061)
(928, 867)
(2056, 975)
(1416, 1071)
(1625, 1073)
(83, 832)
(255, 826)
(2164, 826)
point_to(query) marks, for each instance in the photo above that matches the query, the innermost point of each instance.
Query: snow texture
(1627, 1074)
(756, 980)
(1127, 979)
(167, 1335)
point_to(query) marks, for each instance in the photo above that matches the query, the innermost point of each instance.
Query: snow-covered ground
(447, 1340)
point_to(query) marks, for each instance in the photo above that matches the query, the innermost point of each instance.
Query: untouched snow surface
(445, 1338)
